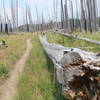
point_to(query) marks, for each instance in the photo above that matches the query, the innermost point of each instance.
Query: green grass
(37, 81)
(8, 56)
(71, 42)
(94, 36)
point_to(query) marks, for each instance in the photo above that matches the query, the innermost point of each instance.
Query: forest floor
(32, 76)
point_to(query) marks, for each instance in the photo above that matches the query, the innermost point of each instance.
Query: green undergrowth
(37, 81)
(16, 44)
(93, 36)
(71, 42)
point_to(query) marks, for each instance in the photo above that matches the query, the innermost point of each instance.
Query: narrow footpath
(9, 88)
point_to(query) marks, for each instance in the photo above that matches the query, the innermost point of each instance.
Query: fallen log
(81, 38)
(77, 71)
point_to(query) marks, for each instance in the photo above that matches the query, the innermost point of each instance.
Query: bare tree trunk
(89, 15)
(66, 16)
(72, 16)
(82, 17)
(94, 15)
(37, 16)
(43, 23)
(62, 15)
(27, 24)
(1, 27)
(13, 14)
(30, 18)
(17, 11)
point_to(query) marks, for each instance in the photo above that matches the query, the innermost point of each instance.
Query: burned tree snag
(6, 28)
(66, 16)
(82, 17)
(62, 15)
(1, 28)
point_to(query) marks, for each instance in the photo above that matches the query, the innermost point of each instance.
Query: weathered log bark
(81, 38)
(76, 70)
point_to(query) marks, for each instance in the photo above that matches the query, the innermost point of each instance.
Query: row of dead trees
(9, 25)
(76, 15)
(87, 18)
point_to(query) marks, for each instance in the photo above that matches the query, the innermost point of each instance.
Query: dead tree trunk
(72, 16)
(83, 17)
(77, 71)
(13, 15)
(27, 20)
(66, 16)
(89, 6)
(29, 16)
(1, 28)
(62, 15)
(94, 17)
(17, 13)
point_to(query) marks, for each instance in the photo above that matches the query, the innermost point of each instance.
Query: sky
(43, 6)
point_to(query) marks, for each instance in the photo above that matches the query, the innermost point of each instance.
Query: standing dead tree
(27, 21)
(71, 17)
(62, 15)
(89, 15)
(17, 11)
(55, 7)
(66, 16)
(94, 16)
(43, 23)
(5, 18)
(30, 18)
(37, 18)
(13, 14)
(14, 11)
(83, 19)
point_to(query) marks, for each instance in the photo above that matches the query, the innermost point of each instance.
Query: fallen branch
(76, 70)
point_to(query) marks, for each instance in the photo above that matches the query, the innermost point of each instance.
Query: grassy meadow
(37, 81)
(71, 42)
(16, 44)
(94, 36)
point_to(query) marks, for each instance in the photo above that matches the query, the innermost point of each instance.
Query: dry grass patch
(8, 56)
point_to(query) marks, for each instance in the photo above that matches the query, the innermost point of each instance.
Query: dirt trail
(9, 88)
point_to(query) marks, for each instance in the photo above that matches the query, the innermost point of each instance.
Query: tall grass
(37, 81)
(71, 42)
(8, 56)
(94, 36)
